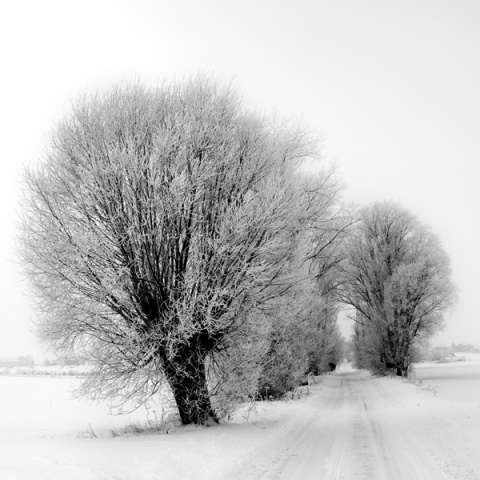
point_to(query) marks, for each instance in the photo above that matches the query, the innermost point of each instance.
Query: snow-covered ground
(459, 382)
(350, 426)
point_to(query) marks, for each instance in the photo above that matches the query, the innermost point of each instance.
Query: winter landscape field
(348, 425)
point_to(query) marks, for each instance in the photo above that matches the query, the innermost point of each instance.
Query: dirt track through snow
(361, 431)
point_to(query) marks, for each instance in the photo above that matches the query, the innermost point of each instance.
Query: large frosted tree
(397, 276)
(156, 221)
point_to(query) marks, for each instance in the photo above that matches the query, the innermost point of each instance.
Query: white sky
(393, 85)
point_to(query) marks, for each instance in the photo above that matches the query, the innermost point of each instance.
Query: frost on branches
(158, 220)
(397, 276)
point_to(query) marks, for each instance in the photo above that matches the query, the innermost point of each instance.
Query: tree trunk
(402, 369)
(187, 379)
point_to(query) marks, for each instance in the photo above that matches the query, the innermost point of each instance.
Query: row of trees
(172, 238)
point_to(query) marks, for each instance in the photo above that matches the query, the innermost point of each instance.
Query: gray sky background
(394, 87)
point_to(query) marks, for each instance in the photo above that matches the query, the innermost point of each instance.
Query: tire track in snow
(361, 434)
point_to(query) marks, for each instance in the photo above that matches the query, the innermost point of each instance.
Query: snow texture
(349, 426)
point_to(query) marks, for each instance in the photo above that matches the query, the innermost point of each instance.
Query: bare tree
(397, 275)
(156, 221)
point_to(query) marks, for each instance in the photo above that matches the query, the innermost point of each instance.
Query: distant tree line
(21, 361)
(64, 362)
(173, 239)
(464, 348)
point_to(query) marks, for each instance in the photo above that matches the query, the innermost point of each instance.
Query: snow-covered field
(459, 382)
(351, 426)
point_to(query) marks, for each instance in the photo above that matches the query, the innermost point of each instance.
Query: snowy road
(359, 433)
(363, 430)
(350, 426)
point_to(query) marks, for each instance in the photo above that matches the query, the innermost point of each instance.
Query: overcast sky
(393, 86)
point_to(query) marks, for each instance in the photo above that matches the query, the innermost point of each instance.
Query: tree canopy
(157, 220)
(397, 276)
